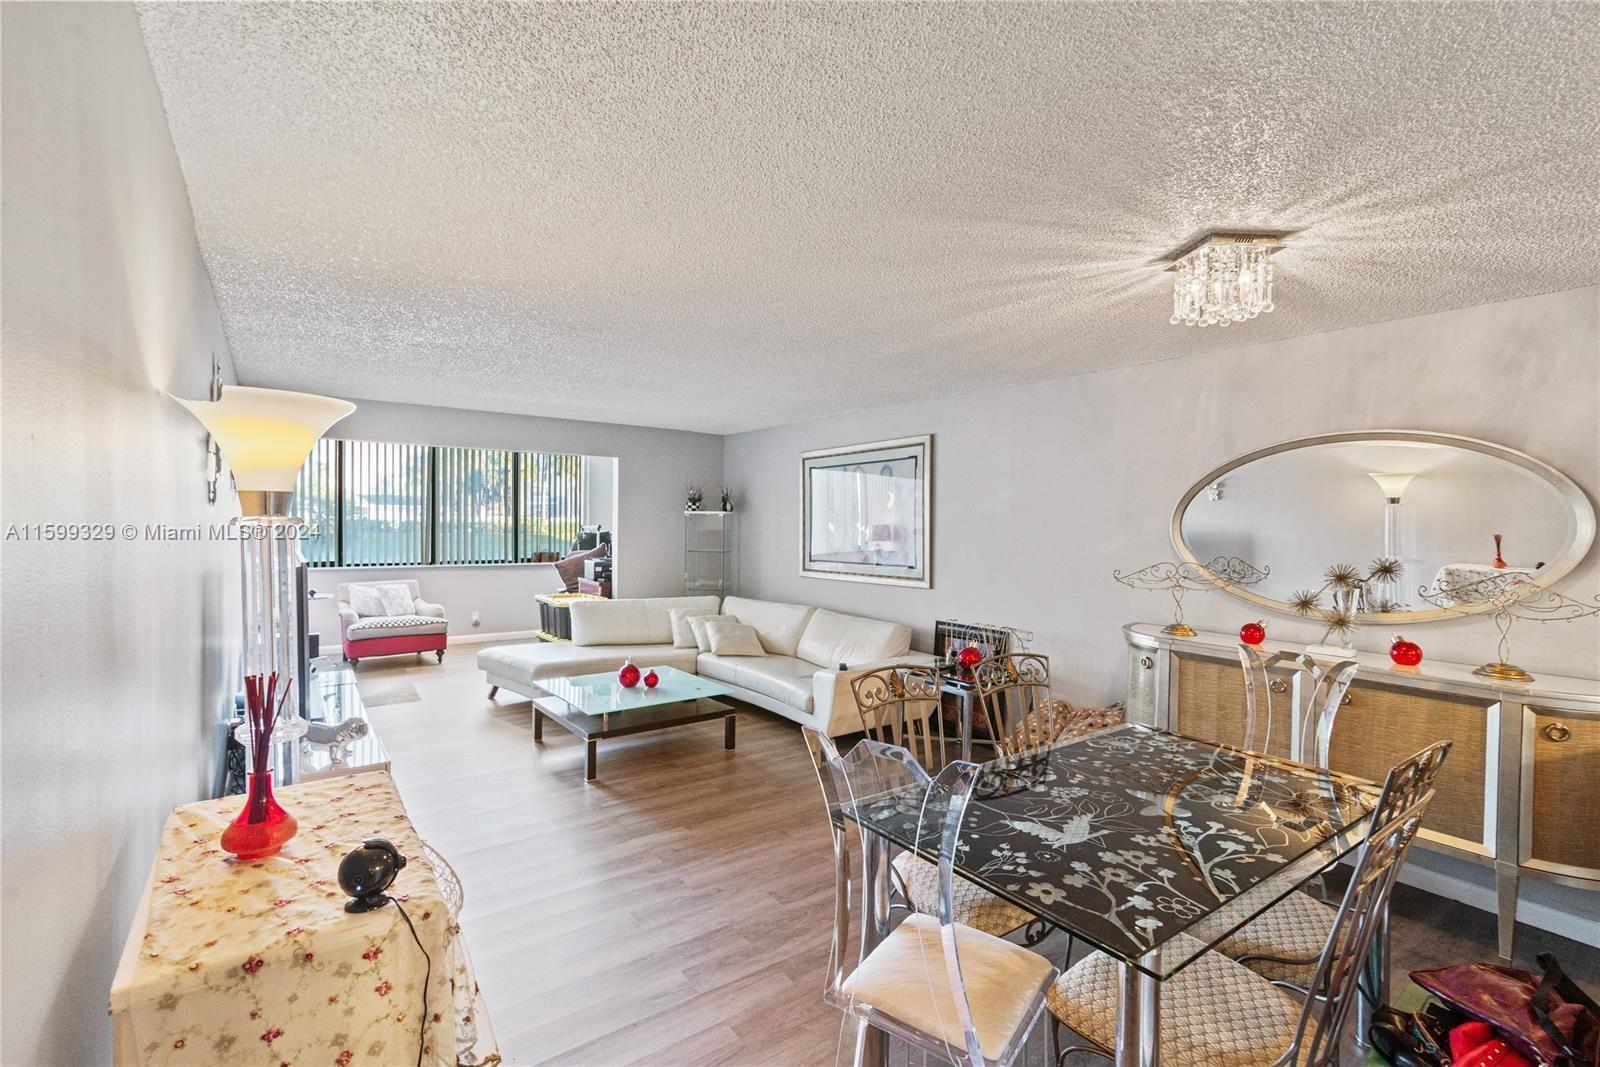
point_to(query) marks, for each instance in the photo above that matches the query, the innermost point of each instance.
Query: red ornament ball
(969, 657)
(1252, 633)
(650, 680)
(1405, 653)
(628, 676)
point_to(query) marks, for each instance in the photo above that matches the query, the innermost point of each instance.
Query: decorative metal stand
(1178, 578)
(1513, 596)
(1349, 592)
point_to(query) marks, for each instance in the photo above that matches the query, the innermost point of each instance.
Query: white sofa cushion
(783, 678)
(733, 639)
(394, 626)
(779, 625)
(697, 628)
(526, 664)
(831, 639)
(630, 622)
(682, 633)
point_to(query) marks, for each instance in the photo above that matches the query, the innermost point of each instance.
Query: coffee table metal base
(594, 728)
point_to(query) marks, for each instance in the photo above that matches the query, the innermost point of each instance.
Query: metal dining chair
(1014, 701)
(899, 705)
(938, 985)
(1218, 1011)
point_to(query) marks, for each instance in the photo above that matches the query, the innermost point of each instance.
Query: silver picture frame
(866, 512)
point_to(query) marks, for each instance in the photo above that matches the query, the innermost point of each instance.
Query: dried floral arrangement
(1349, 593)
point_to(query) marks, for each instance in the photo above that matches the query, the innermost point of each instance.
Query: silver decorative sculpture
(1179, 578)
(1513, 595)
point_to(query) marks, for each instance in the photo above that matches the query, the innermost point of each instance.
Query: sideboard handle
(1278, 685)
(1346, 700)
(1145, 662)
(1556, 732)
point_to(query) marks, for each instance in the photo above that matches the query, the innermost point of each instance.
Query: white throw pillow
(366, 601)
(734, 639)
(396, 599)
(682, 632)
(697, 624)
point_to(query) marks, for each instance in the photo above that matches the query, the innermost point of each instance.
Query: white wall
(1040, 492)
(118, 656)
(652, 468)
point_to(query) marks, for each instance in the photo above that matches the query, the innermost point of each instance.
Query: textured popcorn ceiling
(722, 217)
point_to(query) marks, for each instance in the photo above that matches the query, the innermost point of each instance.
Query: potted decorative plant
(693, 497)
(727, 499)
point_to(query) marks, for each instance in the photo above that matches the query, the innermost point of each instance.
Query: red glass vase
(263, 826)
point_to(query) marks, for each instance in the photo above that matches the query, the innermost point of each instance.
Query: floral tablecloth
(259, 963)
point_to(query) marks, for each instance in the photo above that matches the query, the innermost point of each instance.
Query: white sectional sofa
(812, 654)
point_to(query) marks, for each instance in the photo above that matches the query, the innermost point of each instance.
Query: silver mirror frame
(1583, 513)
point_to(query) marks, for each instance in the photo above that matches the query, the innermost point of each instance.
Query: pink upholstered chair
(415, 626)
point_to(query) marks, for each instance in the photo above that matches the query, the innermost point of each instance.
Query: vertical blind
(378, 503)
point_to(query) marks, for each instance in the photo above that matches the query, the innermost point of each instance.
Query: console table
(259, 962)
(1517, 793)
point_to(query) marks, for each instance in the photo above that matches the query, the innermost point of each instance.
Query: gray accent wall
(120, 655)
(1040, 492)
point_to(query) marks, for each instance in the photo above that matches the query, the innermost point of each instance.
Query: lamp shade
(1392, 484)
(265, 434)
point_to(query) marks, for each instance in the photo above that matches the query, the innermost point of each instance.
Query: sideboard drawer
(1143, 673)
(1380, 726)
(1564, 823)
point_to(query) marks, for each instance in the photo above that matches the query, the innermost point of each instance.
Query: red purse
(1548, 1020)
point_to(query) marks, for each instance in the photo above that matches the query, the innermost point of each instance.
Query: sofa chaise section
(812, 654)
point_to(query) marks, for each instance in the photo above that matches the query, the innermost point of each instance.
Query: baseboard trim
(484, 639)
(1477, 895)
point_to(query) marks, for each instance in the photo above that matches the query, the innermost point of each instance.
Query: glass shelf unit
(708, 553)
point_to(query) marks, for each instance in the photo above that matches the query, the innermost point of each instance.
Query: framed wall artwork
(864, 512)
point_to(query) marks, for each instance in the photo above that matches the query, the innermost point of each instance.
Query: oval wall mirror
(1436, 503)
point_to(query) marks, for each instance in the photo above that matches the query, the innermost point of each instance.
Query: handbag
(1548, 1019)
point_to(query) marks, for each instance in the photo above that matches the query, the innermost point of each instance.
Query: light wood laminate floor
(675, 911)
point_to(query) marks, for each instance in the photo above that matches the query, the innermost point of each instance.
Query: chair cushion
(367, 602)
(682, 632)
(630, 622)
(526, 664)
(697, 628)
(397, 599)
(394, 626)
(974, 907)
(905, 977)
(1214, 1013)
(780, 625)
(831, 639)
(733, 639)
(1297, 926)
(783, 678)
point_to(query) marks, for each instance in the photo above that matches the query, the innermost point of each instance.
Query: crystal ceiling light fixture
(1223, 278)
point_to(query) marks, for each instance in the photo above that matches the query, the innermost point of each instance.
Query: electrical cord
(427, 979)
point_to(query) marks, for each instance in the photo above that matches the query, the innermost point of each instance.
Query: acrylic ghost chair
(1283, 943)
(899, 705)
(961, 994)
(1218, 1012)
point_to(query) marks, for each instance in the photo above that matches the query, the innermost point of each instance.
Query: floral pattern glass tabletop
(1132, 836)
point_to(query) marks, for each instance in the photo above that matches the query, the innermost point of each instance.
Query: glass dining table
(1126, 839)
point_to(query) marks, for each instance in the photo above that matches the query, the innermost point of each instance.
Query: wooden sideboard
(1518, 793)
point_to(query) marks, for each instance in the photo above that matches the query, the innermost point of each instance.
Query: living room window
(386, 504)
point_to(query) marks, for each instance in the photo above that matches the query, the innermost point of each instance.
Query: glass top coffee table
(596, 706)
